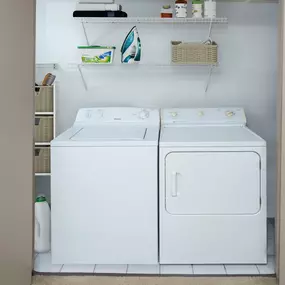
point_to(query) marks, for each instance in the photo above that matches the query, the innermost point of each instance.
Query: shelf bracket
(85, 33)
(209, 78)
(82, 77)
(210, 31)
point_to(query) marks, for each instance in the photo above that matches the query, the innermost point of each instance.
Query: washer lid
(108, 136)
(110, 133)
(199, 136)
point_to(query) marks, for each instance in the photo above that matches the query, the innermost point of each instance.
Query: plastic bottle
(42, 225)
(210, 9)
(181, 8)
(197, 8)
(166, 12)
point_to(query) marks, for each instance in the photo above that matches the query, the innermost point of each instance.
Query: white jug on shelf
(42, 225)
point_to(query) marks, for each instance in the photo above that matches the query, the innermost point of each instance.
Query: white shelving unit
(150, 20)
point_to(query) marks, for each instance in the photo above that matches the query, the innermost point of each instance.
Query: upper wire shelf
(154, 20)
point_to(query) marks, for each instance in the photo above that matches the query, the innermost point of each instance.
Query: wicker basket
(44, 98)
(194, 53)
(42, 159)
(43, 129)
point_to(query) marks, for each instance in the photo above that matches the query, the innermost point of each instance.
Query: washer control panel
(204, 116)
(95, 116)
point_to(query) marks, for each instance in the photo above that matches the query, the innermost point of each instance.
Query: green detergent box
(97, 54)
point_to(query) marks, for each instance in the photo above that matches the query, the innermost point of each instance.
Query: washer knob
(144, 114)
(174, 114)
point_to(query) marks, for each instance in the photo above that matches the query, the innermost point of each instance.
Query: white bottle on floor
(42, 225)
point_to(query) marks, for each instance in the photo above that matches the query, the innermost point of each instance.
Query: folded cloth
(98, 7)
(100, 14)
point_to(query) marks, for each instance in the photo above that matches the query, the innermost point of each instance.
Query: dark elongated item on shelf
(100, 14)
(48, 80)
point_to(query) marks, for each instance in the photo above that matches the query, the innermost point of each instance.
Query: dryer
(104, 188)
(213, 205)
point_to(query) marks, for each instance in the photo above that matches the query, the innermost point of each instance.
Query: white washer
(104, 188)
(212, 188)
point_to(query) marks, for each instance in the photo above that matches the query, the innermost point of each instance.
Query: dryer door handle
(174, 184)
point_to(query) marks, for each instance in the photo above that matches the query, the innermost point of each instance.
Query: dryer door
(213, 183)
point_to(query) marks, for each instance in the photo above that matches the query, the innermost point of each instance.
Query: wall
(247, 75)
(17, 57)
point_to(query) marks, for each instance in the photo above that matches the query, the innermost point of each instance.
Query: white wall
(247, 75)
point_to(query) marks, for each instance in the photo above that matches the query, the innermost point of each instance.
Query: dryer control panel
(204, 116)
(97, 116)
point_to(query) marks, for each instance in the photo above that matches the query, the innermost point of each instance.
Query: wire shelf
(47, 65)
(154, 20)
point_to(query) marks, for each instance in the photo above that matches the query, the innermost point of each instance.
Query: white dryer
(212, 188)
(104, 188)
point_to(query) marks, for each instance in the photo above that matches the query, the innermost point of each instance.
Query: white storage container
(97, 54)
(42, 225)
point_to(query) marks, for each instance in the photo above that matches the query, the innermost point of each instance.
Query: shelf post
(85, 33)
(82, 77)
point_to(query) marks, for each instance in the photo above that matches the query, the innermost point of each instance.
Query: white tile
(242, 270)
(143, 269)
(271, 246)
(209, 270)
(78, 269)
(43, 264)
(269, 268)
(176, 269)
(110, 269)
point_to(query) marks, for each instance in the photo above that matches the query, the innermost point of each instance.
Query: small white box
(98, 7)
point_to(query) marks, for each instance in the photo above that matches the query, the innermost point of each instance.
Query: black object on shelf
(99, 14)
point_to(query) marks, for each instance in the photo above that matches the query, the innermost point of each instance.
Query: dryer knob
(144, 114)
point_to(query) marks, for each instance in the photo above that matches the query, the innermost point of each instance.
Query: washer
(212, 188)
(104, 188)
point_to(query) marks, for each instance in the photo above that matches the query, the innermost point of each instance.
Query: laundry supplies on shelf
(131, 48)
(166, 12)
(42, 225)
(210, 9)
(97, 54)
(197, 8)
(181, 8)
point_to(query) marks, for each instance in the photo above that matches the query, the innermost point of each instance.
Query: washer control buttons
(230, 114)
(144, 114)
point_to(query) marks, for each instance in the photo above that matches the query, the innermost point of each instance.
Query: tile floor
(43, 264)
